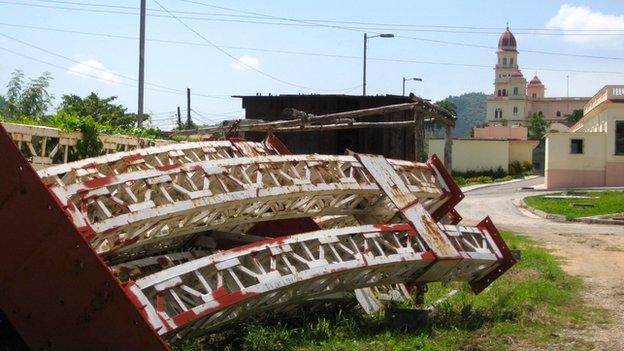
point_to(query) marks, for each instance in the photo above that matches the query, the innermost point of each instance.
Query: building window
(515, 90)
(619, 137)
(511, 61)
(515, 110)
(558, 113)
(576, 146)
(498, 113)
(504, 61)
(504, 92)
(534, 95)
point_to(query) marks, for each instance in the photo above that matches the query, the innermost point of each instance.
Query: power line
(160, 87)
(258, 16)
(89, 75)
(225, 52)
(404, 37)
(358, 29)
(301, 53)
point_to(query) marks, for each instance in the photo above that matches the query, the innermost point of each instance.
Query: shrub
(527, 166)
(479, 179)
(515, 168)
(460, 180)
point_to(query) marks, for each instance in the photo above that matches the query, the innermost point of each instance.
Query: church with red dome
(514, 100)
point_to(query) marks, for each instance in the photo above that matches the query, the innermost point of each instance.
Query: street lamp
(366, 37)
(406, 79)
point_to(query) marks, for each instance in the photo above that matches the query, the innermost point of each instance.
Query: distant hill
(470, 112)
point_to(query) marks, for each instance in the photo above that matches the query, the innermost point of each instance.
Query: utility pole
(366, 37)
(406, 79)
(141, 65)
(364, 73)
(189, 122)
(180, 127)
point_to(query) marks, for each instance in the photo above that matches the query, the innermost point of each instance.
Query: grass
(607, 202)
(525, 309)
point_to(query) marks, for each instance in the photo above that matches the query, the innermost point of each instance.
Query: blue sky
(208, 71)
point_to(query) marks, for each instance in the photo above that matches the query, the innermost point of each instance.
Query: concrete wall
(522, 150)
(474, 154)
(519, 133)
(550, 106)
(599, 165)
(564, 169)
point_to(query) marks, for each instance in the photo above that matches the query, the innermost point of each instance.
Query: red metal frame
(506, 261)
(56, 291)
(455, 194)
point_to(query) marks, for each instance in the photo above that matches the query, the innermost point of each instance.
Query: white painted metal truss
(207, 293)
(158, 208)
(158, 216)
(45, 146)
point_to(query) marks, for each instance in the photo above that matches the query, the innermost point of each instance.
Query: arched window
(504, 61)
(499, 92)
(498, 113)
(534, 95)
(504, 92)
(558, 113)
(515, 90)
(511, 61)
(515, 110)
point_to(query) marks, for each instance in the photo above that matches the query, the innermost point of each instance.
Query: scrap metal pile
(131, 249)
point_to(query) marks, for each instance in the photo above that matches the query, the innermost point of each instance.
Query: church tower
(509, 101)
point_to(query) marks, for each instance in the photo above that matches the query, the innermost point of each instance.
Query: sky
(223, 48)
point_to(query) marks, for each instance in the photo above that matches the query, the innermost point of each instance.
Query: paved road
(497, 202)
(594, 252)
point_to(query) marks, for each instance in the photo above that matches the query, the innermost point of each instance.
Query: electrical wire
(301, 53)
(226, 53)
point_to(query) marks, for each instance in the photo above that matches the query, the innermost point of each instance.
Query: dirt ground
(591, 251)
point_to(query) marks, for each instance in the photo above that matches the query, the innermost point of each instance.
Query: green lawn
(607, 202)
(527, 308)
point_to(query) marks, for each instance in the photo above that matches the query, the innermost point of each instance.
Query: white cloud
(94, 69)
(572, 17)
(245, 62)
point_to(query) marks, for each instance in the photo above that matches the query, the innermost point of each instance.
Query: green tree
(102, 110)
(574, 117)
(30, 99)
(537, 125)
(3, 105)
(448, 105)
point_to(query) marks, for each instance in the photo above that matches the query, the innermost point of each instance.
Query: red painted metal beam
(56, 291)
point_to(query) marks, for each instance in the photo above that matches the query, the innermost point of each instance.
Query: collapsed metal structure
(135, 249)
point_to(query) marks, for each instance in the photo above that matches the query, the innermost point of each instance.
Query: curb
(560, 218)
(469, 188)
(540, 213)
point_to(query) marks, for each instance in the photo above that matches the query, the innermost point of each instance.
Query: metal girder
(127, 212)
(55, 290)
(207, 293)
(184, 239)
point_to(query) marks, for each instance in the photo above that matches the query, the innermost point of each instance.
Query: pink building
(514, 100)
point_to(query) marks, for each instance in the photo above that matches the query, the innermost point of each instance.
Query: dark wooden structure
(390, 142)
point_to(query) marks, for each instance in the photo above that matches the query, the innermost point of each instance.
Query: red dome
(507, 41)
(535, 81)
(517, 74)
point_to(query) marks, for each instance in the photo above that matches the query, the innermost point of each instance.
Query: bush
(479, 179)
(527, 166)
(515, 168)
(493, 173)
(460, 180)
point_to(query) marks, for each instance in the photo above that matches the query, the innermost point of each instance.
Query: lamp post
(406, 79)
(366, 37)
